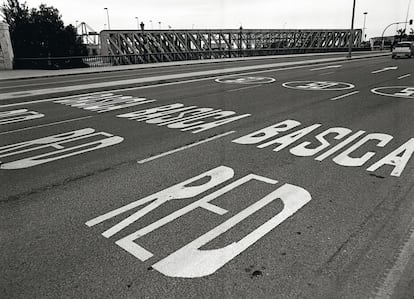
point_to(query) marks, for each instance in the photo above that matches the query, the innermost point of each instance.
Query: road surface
(292, 182)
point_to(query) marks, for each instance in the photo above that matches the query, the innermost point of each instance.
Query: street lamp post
(107, 17)
(159, 23)
(382, 36)
(351, 37)
(364, 28)
(136, 18)
(408, 11)
(152, 27)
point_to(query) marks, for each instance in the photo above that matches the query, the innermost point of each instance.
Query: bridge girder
(172, 45)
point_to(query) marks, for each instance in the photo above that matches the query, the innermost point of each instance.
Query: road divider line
(47, 125)
(404, 76)
(185, 147)
(345, 95)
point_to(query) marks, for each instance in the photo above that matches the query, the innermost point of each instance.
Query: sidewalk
(30, 74)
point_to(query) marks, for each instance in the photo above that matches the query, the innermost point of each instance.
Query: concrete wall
(6, 50)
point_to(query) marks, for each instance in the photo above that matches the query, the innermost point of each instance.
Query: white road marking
(14, 116)
(189, 261)
(148, 80)
(326, 67)
(345, 95)
(318, 85)
(168, 84)
(104, 102)
(179, 191)
(191, 118)
(185, 147)
(398, 158)
(405, 76)
(46, 125)
(245, 80)
(20, 151)
(328, 73)
(395, 274)
(385, 69)
(242, 88)
(405, 92)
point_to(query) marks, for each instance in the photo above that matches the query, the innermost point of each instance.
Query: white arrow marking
(327, 67)
(385, 69)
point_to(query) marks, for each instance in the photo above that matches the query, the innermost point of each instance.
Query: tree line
(39, 36)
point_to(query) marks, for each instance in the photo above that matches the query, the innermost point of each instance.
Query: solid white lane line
(397, 271)
(242, 88)
(185, 147)
(46, 125)
(345, 95)
(405, 76)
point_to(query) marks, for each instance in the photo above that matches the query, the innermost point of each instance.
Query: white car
(403, 49)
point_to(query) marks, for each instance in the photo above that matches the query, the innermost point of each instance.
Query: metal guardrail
(113, 60)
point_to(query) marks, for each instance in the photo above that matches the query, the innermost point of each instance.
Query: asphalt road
(276, 183)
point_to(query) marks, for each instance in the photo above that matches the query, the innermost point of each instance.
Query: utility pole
(351, 37)
(408, 11)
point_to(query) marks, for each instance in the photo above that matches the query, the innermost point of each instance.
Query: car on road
(403, 49)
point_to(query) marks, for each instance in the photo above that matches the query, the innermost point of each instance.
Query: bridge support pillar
(6, 49)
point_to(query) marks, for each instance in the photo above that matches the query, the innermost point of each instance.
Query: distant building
(376, 42)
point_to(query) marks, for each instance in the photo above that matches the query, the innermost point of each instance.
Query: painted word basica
(319, 146)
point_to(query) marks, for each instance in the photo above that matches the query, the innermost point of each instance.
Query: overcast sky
(251, 14)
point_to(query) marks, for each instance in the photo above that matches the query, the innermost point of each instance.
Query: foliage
(40, 33)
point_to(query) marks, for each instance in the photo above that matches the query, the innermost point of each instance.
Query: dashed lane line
(345, 95)
(185, 147)
(404, 76)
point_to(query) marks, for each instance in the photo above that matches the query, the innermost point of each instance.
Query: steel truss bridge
(143, 46)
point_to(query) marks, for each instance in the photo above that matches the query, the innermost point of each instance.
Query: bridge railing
(113, 60)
